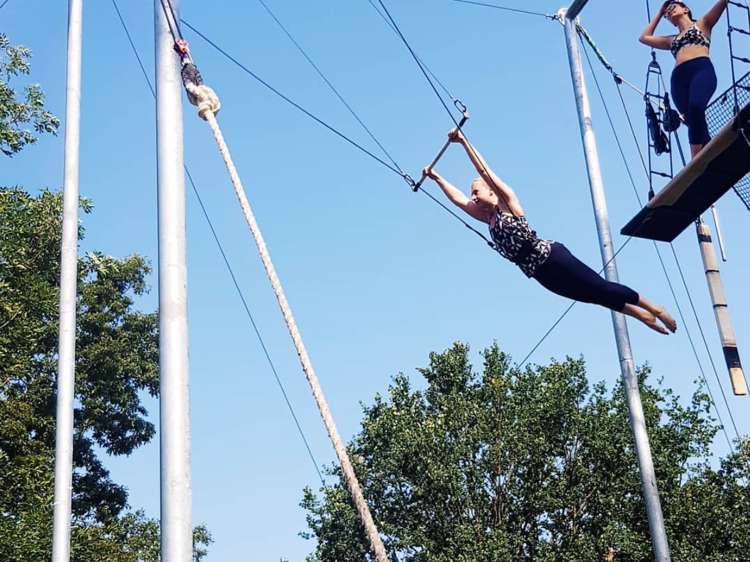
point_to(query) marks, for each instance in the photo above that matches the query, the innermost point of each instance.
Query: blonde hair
(481, 180)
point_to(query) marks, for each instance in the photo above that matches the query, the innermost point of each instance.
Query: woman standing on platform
(694, 77)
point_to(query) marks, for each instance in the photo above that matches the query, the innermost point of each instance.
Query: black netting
(720, 112)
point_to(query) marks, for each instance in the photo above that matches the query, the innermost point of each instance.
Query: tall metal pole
(176, 487)
(627, 367)
(68, 281)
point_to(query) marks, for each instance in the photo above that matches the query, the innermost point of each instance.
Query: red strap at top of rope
(182, 48)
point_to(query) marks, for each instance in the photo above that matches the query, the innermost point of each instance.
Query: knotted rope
(208, 105)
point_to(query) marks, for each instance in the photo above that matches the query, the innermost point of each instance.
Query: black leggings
(693, 84)
(567, 276)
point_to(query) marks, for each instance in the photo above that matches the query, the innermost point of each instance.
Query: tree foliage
(117, 360)
(22, 114)
(116, 349)
(537, 465)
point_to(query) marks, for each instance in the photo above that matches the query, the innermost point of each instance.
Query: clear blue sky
(377, 276)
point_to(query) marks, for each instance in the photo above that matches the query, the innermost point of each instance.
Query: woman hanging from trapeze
(693, 77)
(494, 203)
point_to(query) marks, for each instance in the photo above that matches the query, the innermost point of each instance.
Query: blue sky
(377, 276)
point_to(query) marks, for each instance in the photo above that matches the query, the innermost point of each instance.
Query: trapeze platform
(714, 171)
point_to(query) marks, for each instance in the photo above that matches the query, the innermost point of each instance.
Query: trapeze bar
(461, 123)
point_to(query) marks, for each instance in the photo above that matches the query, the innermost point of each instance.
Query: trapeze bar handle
(461, 123)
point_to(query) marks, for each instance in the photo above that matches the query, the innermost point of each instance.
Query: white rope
(208, 104)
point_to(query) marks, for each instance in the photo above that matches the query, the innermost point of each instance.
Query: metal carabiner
(410, 182)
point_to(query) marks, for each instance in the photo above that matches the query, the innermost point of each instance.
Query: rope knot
(207, 101)
(198, 93)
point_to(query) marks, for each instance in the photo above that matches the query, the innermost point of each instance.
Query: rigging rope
(208, 104)
(135, 51)
(635, 137)
(331, 86)
(255, 328)
(330, 128)
(229, 266)
(171, 20)
(387, 21)
(618, 78)
(705, 342)
(288, 100)
(488, 178)
(418, 61)
(548, 16)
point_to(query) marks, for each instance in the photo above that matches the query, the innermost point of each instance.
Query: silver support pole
(176, 488)
(721, 309)
(627, 367)
(68, 282)
(576, 8)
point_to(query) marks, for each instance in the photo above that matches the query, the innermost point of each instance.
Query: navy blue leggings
(567, 276)
(693, 84)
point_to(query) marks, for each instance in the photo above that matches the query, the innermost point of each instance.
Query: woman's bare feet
(654, 325)
(644, 316)
(666, 319)
(655, 310)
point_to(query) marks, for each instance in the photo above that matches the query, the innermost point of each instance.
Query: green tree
(116, 348)
(116, 361)
(20, 110)
(529, 465)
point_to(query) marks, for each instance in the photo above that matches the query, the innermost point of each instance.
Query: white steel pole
(176, 487)
(68, 281)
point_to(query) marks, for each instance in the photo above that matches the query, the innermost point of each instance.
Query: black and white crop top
(693, 36)
(515, 241)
